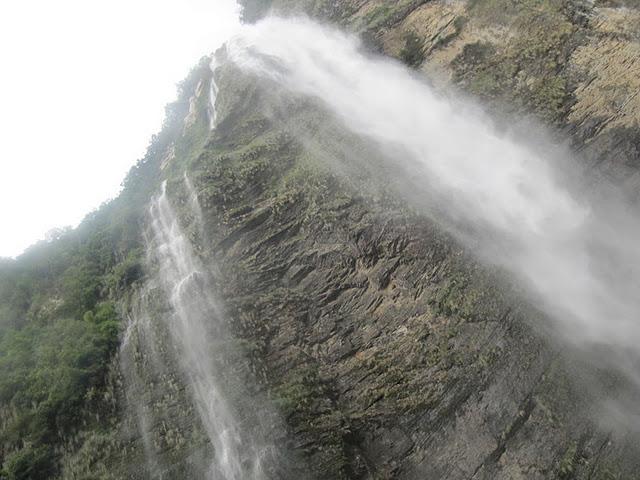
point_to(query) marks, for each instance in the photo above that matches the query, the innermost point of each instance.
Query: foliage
(568, 462)
(45, 373)
(412, 53)
(29, 463)
(126, 272)
(59, 324)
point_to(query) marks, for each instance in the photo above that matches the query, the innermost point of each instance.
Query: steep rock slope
(393, 352)
(401, 323)
(388, 350)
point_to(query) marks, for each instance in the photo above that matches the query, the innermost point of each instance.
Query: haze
(83, 88)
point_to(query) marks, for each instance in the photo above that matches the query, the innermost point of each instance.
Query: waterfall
(177, 334)
(187, 287)
(213, 94)
(576, 250)
(514, 199)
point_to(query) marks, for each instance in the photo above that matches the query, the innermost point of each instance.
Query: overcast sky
(82, 89)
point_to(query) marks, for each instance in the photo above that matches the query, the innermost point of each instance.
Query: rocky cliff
(387, 349)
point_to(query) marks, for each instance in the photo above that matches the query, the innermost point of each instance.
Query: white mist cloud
(579, 254)
(83, 88)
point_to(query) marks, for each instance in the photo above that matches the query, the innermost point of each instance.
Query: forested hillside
(60, 322)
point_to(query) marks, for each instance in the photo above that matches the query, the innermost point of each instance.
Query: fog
(83, 89)
(575, 248)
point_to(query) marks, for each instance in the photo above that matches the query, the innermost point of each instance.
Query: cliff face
(384, 347)
(392, 352)
(415, 362)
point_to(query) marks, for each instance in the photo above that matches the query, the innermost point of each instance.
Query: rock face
(389, 351)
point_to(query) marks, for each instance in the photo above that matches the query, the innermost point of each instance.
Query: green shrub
(29, 463)
(413, 51)
(45, 373)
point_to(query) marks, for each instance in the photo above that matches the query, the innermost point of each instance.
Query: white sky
(83, 86)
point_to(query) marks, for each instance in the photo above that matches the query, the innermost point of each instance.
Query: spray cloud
(577, 253)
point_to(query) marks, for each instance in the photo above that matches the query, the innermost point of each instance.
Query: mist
(515, 202)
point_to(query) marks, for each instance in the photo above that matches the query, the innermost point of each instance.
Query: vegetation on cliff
(378, 338)
(59, 323)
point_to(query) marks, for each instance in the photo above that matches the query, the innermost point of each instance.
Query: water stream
(178, 335)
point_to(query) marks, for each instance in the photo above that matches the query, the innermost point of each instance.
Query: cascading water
(577, 253)
(213, 94)
(177, 331)
(186, 285)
